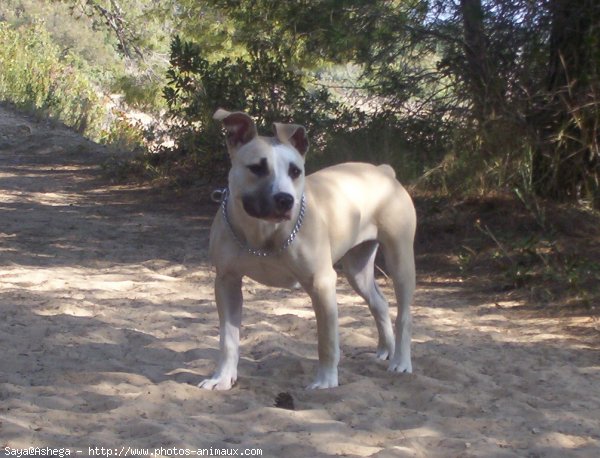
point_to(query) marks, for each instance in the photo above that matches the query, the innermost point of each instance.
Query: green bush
(261, 84)
(124, 134)
(141, 92)
(36, 76)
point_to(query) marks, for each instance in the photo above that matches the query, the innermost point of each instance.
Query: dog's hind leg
(359, 267)
(400, 262)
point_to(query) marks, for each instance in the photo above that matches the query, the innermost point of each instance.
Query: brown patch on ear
(239, 126)
(292, 134)
(300, 140)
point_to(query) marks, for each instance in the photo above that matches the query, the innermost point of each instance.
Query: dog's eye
(261, 169)
(294, 171)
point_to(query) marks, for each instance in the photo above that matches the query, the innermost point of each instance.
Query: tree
(566, 162)
(478, 75)
(114, 18)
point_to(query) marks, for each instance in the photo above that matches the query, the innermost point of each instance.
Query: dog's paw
(383, 354)
(322, 384)
(217, 383)
(385, 347)
(400, 366)
(325, 379)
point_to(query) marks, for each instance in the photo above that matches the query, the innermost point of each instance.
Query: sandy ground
(108, 323)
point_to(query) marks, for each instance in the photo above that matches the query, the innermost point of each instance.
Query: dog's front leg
(228, 294)
(321, 290)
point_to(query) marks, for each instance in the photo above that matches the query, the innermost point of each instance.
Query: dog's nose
(283, 201)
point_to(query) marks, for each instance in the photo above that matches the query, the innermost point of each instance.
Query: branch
(117, 23)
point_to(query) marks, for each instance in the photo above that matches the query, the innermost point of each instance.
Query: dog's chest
(268, 271)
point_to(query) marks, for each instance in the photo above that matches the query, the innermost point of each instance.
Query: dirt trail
(108, 323)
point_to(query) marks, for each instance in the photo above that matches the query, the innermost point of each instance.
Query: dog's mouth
(266, 210)
(279, 217)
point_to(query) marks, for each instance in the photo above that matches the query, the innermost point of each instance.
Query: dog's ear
(239, 126)
(293, 134)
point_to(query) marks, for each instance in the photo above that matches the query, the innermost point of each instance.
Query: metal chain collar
(224, 194)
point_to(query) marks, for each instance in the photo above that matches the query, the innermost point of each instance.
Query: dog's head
(267, 173)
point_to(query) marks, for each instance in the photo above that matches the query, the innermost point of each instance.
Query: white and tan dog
(281, 228)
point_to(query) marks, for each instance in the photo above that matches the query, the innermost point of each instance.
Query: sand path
(108, 322)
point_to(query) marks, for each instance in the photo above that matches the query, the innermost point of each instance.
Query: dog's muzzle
(257, 251)
(277, 207)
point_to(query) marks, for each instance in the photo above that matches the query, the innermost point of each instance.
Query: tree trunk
(477, 73)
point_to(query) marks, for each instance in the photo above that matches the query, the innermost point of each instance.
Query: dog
(282, 228)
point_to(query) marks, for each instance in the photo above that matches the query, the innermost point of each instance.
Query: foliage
(541, 264)
(123, 134)
(140, 91)
(92, 50)
(137, 28)
(276, 56)
(527, 74)
(35, 76)
(260, 84)
(120, 45)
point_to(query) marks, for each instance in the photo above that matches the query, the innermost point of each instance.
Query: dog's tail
(388, 170)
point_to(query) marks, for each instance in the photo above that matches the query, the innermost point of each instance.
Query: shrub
(36, 76)
(260, 84)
